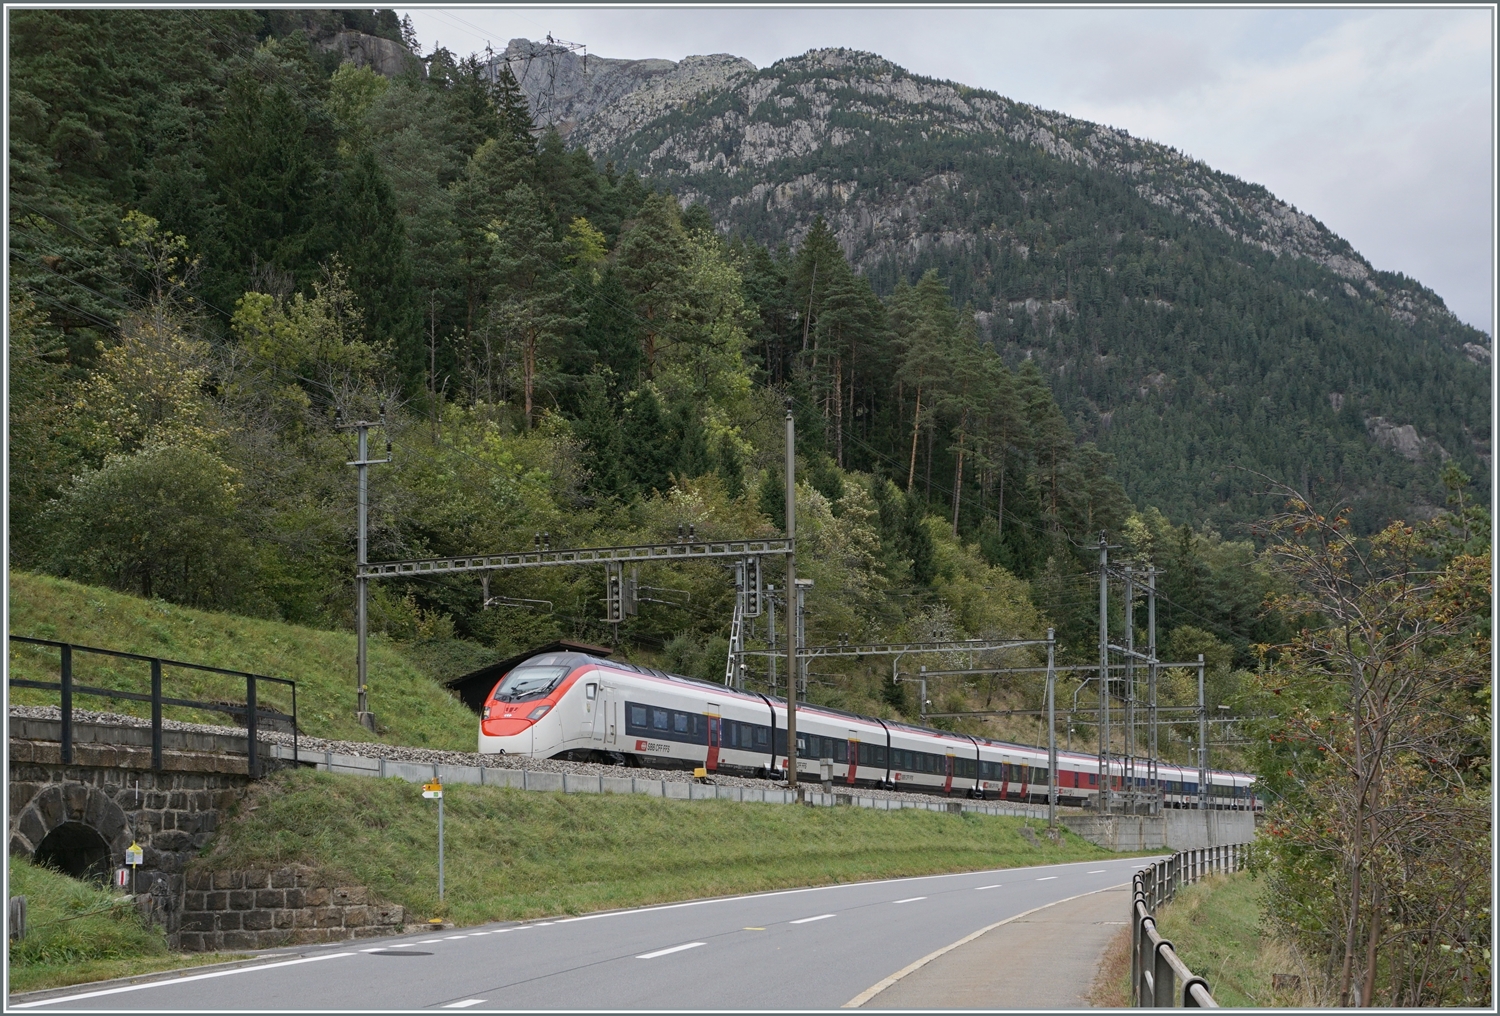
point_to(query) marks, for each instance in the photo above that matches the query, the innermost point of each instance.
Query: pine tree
(650, 446)
(372, 245)
(650, 261)
(512, 109)
(531, 300)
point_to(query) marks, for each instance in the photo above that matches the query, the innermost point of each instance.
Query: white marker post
(435, 789)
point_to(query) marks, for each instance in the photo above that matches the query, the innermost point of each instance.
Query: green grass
(1215, 927)
(77, 932)
(410, 707)
(517, 854)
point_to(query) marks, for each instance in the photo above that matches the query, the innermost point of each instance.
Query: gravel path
(430, 756)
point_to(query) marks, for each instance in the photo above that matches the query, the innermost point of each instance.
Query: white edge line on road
(909, 899)
(1139, 861)
(180, 980)
(809, 920)
(673, 949)
(879, 986)
(1049, 878)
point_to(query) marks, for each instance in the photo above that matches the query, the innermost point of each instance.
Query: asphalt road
(796, 949)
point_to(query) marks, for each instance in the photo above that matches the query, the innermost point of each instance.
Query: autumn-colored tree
(1378, 760)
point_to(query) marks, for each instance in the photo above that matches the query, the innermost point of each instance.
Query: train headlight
(539, 712)
(486, 712)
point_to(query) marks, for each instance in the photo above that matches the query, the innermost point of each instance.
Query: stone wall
(292, 905)
(172, 814)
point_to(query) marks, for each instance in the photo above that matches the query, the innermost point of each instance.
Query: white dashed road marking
(809, 920)
(464, 1004)
(979, 887)
(183, 980)
(1099, 872)
(912, 899)
(664, 952)
(1048, 878)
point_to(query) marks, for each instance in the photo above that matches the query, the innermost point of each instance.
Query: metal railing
(1156, 971)
(253, 712)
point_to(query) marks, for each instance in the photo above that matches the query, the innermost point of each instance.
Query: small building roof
(472, 688)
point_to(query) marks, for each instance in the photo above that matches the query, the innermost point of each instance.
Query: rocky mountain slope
(716, 115)
(1033, 216)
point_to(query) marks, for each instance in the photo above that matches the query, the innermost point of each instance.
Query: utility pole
(1202, 741)
(1104, 787)
(361, 619)
(803, 585)
(1132, 796)
(922, 704)
(771, 619)
(1152, 769)
(1051, 734)
(791, 599)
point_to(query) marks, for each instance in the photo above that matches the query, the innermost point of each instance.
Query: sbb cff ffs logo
(652, 746)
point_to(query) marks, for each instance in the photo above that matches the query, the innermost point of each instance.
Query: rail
(252, 710)
(1156, 970)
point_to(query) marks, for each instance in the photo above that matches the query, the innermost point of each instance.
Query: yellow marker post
(434, 789)
(134, 855)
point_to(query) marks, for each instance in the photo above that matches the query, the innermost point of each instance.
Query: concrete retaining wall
(1173, 830)
(574, 783)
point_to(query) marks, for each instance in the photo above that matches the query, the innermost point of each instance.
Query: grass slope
(515, 854)
(1215, 927)
(410, 707)
(77, 932)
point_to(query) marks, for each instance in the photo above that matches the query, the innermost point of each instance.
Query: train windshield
(532, 679)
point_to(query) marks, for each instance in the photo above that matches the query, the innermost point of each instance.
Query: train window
(760, 735)
(660, 719)
(638, 716)
(680, 723)
(841, 751)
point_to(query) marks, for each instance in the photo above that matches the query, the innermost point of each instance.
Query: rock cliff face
(585, 96)
(764, 146)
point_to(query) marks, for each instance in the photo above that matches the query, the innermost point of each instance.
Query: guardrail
(250, 709)
(1155, 968)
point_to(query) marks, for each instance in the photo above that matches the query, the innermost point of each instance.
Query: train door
(596, 702)
(948, 771)
(715, 725)
(853, 755)
(588, 723)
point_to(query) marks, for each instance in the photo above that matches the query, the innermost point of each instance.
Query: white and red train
(572, 705)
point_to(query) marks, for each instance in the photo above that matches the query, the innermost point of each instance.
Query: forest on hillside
(229, 246)
(1178, 335)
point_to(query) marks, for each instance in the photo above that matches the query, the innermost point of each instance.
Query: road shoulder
(1043, 959)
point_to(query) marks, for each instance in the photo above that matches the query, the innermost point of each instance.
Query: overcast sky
(1378, 122)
